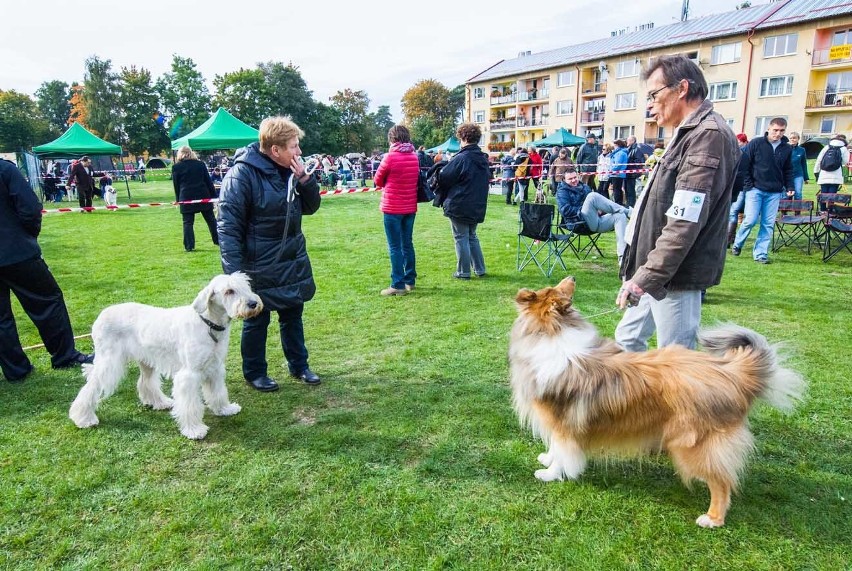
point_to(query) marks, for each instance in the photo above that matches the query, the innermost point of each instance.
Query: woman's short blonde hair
(185, 153)
(278, 131)
(608, 147)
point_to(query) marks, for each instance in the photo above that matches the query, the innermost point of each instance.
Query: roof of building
(716, 26)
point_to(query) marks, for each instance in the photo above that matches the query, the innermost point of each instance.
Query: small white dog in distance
(110, 195)
(189, 344)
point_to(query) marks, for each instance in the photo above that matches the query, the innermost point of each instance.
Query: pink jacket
(397, 175)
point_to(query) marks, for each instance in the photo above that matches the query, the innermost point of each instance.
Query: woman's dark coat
(465, 183)
(192, 182)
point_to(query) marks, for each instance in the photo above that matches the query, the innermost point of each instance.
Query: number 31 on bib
(686, 205)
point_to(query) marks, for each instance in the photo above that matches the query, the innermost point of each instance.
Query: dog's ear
(525, 297)
(202, 299)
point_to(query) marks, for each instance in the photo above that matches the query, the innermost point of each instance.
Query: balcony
(592, 117)
(507, 99)
(502, 124)
(828, 99)
(593, 89)
(534, 122)
(534, 95)
(822, 57)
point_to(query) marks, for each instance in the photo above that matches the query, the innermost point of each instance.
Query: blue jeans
(760, 206)
(467, 249)
(798, 183)
(399, 228)
(736, 207)
(253, 344)
(614, 217)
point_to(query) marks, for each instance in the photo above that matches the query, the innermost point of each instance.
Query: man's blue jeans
(399, 229)
(762, 207)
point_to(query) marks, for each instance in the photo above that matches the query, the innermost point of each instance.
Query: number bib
(686, 205)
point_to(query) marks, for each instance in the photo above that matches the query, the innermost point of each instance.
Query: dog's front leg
(567, 460)
(216, 394)
(188, 409)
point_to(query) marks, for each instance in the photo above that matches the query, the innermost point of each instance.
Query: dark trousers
(603, 188)
(617, 190)
(85, 197)
(253, 345)
(589, 178)
(189, 232)
(42, 300)
(630, 191)
(510, 184)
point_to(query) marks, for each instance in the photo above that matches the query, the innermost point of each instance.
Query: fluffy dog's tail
(781, 387)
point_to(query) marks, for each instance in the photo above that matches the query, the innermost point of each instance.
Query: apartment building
(789, 58)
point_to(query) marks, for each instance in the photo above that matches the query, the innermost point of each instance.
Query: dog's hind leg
(188, 409)
(216, 395)
(150, 389)
(567, 460)
(102, 378)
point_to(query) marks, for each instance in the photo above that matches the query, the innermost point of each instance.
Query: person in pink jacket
(397, 176)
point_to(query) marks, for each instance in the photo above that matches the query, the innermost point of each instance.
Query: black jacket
(20, 217)
(765, 169)
(635, 160)
(253, 214)
(587, 155)
(192, 182)
(465, 183)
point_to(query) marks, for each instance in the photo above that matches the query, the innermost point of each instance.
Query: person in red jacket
(397, 176)
(535, 168)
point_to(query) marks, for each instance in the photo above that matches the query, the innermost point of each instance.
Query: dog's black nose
(252, 304)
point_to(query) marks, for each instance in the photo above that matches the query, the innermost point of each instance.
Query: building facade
(791, 58)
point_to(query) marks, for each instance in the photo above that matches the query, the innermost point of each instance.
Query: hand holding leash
(628, 295)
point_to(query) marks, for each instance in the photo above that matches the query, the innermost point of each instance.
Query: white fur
(110, 195)
(550, 356)
(174, 343)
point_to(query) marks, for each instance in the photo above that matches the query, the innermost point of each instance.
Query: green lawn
(409, 455)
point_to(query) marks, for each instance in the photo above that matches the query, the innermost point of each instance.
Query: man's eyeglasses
(652, 96)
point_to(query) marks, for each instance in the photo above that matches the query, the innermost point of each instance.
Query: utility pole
(684, 11)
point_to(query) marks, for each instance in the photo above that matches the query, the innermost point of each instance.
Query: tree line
(131, 108)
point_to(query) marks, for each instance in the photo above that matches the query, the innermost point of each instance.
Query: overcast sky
(380, 47)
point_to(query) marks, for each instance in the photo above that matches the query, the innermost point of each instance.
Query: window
(785, 45)
(625, 101)
(730, 123)
(479, 117)
(762, 124)
(839, 82)
(628, 68)
(724, 91)
(726, 53)
(622, 131)
(840, 38)
(776, 86)
(565, 107)
(826, 124)
(478, 93)
(565, 78)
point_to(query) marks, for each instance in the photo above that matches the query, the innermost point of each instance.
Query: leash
(40, 345)
(603, 313)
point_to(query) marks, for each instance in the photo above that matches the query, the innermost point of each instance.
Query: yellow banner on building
(843, 51)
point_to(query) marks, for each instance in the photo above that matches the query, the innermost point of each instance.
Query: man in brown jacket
(676, 236)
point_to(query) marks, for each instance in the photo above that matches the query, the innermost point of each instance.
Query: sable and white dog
(188, 344)
(110, 195)
(584, 395)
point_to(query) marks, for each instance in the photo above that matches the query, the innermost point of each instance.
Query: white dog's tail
(782, 387)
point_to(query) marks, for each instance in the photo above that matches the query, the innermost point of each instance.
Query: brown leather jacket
(668, 251)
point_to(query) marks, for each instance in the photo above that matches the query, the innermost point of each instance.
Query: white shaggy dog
(188, 344)
(110, 195)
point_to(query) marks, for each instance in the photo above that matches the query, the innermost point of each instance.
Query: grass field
(409, 455)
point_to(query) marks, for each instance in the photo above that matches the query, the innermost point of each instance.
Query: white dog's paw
(549, 475)
(195, 432)
(228, 410)
(706, 521)
(85, 421)
(163, 404)
(545, 459)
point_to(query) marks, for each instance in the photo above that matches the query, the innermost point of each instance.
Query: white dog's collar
(211, 327)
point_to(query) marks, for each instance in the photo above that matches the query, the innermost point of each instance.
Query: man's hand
(628, 295)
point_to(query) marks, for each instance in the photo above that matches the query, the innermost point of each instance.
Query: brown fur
(584, 395)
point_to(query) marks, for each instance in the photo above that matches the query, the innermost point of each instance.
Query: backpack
(831, 160)
(521, 171)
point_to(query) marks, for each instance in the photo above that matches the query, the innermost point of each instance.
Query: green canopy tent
(561, 137)
(221, 131)
(451, 145)
(76, 142)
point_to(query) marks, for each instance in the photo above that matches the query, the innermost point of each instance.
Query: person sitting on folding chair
(577, 203)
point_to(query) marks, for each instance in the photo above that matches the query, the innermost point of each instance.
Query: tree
(430, 99)
(244, 93)
(100, 95)
(287, 92)
(184, 96)
(322, 131)
(425, 132)
(456, 101)
(355, 129)
(54, 102)
(22, 125)
(381, 122)
(79, 113)
(139, 102)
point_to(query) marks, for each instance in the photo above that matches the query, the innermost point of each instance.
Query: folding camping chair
(837, 225)
(537, 241)
(824, 203)
(794, 226)
(577, 237)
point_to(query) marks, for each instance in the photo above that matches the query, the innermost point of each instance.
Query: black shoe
(460, 277)
(308, 376)
(763, 260)
(22, 377)
(78, 359)
(263, 384)
(735, 251)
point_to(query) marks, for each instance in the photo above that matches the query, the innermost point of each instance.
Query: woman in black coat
(192, 182)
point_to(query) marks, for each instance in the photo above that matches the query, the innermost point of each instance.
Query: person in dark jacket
(737, 194)
(800, 168)
(635, 161)
(768, 167)
(84, 177)
(192, 182)
(262, 201)
(465, 183)
(24, 273)
(587, 160)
